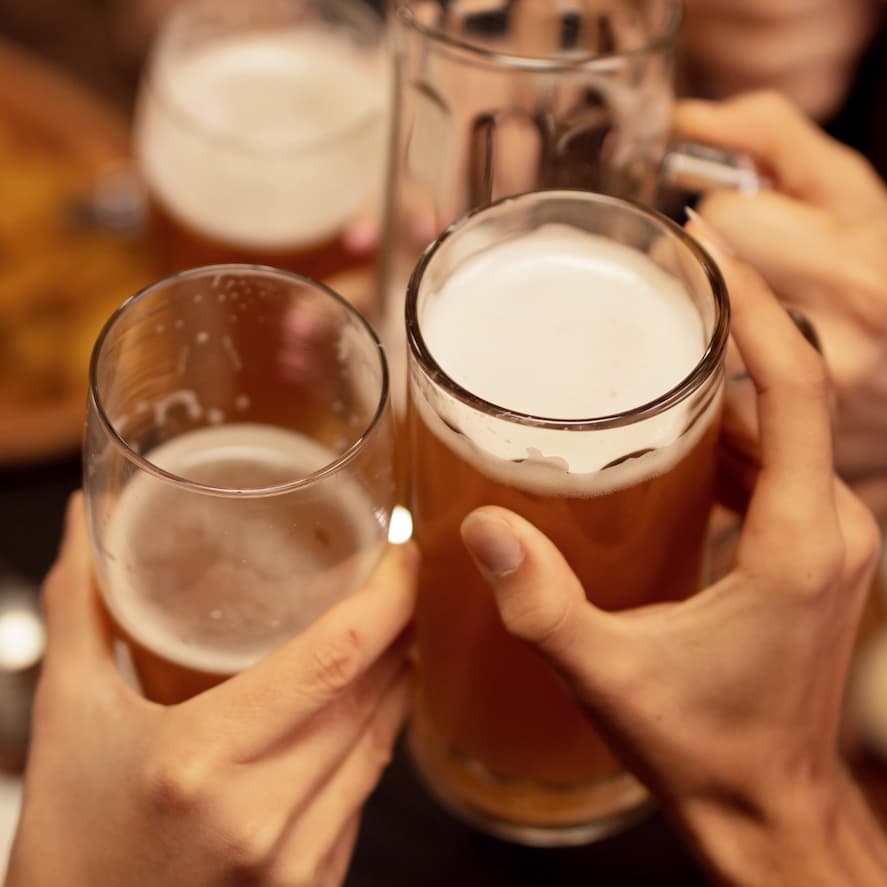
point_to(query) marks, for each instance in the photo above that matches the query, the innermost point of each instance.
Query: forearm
(792, 842)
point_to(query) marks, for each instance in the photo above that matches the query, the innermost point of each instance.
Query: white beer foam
(247, 140)
(564, 325)
(258, 581)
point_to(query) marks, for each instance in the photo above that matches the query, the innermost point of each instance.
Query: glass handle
(689, 166)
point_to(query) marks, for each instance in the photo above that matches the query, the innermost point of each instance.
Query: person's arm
(728, 705)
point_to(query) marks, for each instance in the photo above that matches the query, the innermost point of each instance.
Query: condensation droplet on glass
(214, 416)
(159, 328)
(222, 297)
(241, 402)
(215, 615)
(275, 623)
(179, 324)
(143, 406)
(202, 337)
(198, 297)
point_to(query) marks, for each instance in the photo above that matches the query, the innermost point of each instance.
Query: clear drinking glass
(260, 134)
(624, 492)
(237, 468)
(492, 100)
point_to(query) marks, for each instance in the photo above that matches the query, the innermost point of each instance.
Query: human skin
(819, 238)
(727, 705)
(257, 781)
(807, 50)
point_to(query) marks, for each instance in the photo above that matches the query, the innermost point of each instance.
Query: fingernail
(708, 233)
(492, 543)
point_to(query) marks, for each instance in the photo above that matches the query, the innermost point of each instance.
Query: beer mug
(237, 468)
(566, 362)
(260, 133)
(506, 98)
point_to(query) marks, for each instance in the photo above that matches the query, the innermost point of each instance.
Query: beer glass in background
(237, 468)
(499, 99)
(260, 133)
(565, 361)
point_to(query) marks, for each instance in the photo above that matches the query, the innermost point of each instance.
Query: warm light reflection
(22, 639)
(400, 529)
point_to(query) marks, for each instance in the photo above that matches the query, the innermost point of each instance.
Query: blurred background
(71, 249)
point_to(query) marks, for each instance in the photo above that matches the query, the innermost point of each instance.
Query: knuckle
(304, 870)
(335, 663)
(819, 568)
(862, 541)
(247, 847)
(771, 104)
(175, 783)
(539, 620)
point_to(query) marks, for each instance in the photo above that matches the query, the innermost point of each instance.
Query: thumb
(540, 599)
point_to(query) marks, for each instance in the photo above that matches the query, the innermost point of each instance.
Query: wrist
(811, 835)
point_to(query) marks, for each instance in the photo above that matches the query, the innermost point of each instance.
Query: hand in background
(806, 49)
(259, 780)
(820, 240)
(727, 705)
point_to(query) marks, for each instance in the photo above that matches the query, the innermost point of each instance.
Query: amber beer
(514, 316)
(264, 144)
(201, 587)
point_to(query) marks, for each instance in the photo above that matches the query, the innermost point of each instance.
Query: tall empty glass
(506, 98)
(237, 468)
(565, 362)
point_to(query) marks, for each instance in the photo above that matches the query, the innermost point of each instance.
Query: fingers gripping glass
(624, 494)
(237, 468)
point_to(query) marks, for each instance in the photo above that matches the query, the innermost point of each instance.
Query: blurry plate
(59, 279)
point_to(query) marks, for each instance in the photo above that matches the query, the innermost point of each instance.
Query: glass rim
(234, 141)
(665, 38)
(703, 370)
(145, 465)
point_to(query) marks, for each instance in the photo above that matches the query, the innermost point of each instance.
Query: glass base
(524, 811)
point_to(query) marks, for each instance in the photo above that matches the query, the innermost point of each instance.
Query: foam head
(564, 325)
(267, 140)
